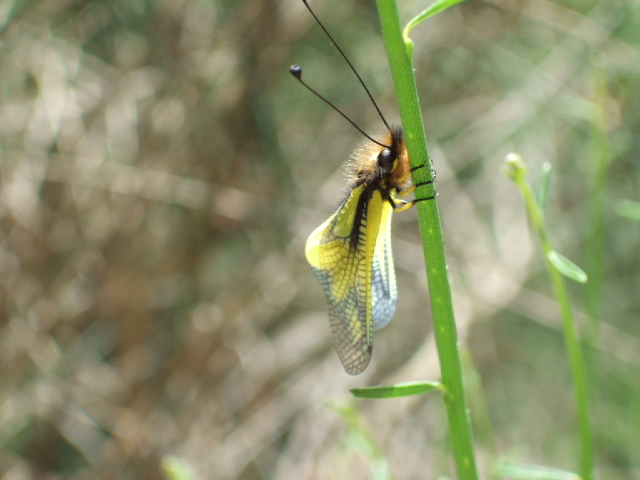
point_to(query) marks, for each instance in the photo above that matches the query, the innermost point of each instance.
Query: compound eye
(385, 160)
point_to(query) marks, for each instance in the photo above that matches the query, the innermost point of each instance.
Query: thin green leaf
(628, 209)
(399, 390)
(431, 10)
(543, 187)
(566, 267)
(533, 472)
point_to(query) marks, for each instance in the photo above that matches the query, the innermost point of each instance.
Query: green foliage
(431, 10)
(566, 267)
(558, 265)
(400, 390)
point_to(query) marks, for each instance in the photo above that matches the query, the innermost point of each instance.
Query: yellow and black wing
(350, 254)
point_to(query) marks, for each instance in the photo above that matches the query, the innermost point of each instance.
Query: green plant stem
(429, 218)
(594, 247)
(517, 172)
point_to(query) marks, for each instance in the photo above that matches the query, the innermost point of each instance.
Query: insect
(350, 253)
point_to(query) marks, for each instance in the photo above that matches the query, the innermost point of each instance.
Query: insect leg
(413, 187)
(433, 173)
(413, 169)
(406, 205)
(401, 206)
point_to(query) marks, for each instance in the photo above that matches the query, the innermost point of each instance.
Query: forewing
(341, 262)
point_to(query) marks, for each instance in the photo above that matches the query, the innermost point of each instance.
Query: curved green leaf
(431, 10)
(566, 267)
(399, 390)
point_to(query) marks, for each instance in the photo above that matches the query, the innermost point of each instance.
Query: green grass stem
(445, 331)
(594, 248)
(515, 170)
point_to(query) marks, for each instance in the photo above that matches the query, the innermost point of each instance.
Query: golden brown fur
(363, 166)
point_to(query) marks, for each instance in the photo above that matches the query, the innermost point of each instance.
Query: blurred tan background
(159, 174)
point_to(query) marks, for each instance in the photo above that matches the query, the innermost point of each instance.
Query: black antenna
(296, 71)
(306, 4)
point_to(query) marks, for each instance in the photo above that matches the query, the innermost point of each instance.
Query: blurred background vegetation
(160, 171)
